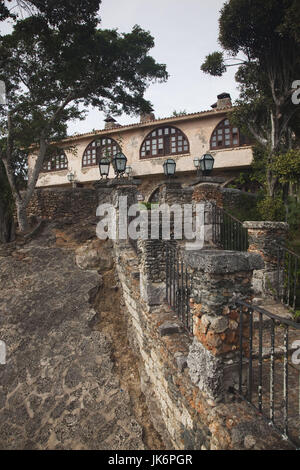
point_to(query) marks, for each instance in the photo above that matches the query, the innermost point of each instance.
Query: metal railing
(228, 232)
(269, 378)
(288, 277)
(178, 285)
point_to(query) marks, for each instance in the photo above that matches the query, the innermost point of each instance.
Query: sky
(185, 31)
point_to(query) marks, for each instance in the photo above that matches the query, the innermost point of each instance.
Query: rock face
(95, 255)
(58, 388)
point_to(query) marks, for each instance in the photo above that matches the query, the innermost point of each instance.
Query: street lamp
(128, 171)
(119, 163)
(70, 177)
(197, 164)
(169, 167)
(104, 164)
(206, 164)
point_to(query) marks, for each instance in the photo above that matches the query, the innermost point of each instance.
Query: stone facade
(265, 238)
(197, 127)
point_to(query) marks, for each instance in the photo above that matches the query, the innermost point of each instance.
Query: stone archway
(154, 196)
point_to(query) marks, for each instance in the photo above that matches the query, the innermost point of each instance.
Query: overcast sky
(185, 31)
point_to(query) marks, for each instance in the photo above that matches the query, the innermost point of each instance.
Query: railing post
(264, 238)
(219, 279)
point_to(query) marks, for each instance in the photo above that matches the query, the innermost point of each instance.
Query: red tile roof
(181, 117)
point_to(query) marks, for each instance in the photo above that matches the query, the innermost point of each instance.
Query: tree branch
(7, 160)
(259, 138)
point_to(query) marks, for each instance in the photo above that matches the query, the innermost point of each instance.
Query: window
(102, 147)
(164, 141)
(56, 162)
(226, 136)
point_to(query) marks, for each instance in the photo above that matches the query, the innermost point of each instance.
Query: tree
(57, 12)
(266, 35)
(50, 72)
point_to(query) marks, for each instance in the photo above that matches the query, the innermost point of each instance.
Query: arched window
(226, 136)
(164, 141)
(103, 146)
(56, 162)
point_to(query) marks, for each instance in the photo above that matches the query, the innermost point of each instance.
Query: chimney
(146, 117)
(110, 122)
(224, 101)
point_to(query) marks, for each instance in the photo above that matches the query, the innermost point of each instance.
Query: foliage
(60, 13)
(266, 35)
(214, 64)
(245, 207)
(148, 205)
(179, 113)
(287, 166)
(294, 217)
(54, 67)
(271, 208)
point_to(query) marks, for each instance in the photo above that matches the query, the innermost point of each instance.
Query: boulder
(95, 255)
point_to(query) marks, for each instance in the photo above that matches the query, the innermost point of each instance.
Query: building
(148, 143)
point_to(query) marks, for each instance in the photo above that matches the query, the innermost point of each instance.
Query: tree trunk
(7, 225)
(22, 216)
(271, 183)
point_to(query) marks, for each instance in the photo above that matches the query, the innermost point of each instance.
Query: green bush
(244, 208)
(271, 209)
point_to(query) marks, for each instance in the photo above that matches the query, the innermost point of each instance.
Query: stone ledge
(168, 328)
(265, 225)
(222, 262)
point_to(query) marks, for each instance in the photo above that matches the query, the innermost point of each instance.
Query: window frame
(98, 153)
(59, 154)
(220, 131)
(152, 142)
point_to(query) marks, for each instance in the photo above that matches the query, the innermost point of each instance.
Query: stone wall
(187, 381)
(58, 203)
(266, 238)
(180, 375)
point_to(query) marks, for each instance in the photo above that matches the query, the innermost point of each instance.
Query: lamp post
(128, 171)
(197, 164)
(119, 164)
(206, 164)
(169, 167)
(104, 164)
(71, 178)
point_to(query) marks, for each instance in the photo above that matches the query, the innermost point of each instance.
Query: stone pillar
(208, 192)
(152, 271)
(219, 279)
(103, 191)
(264, 238)
(172, 192)
(206, 195)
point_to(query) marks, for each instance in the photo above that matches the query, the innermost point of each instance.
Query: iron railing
(269, 378)
(178, 285)
(287, 283)
(228, 232)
